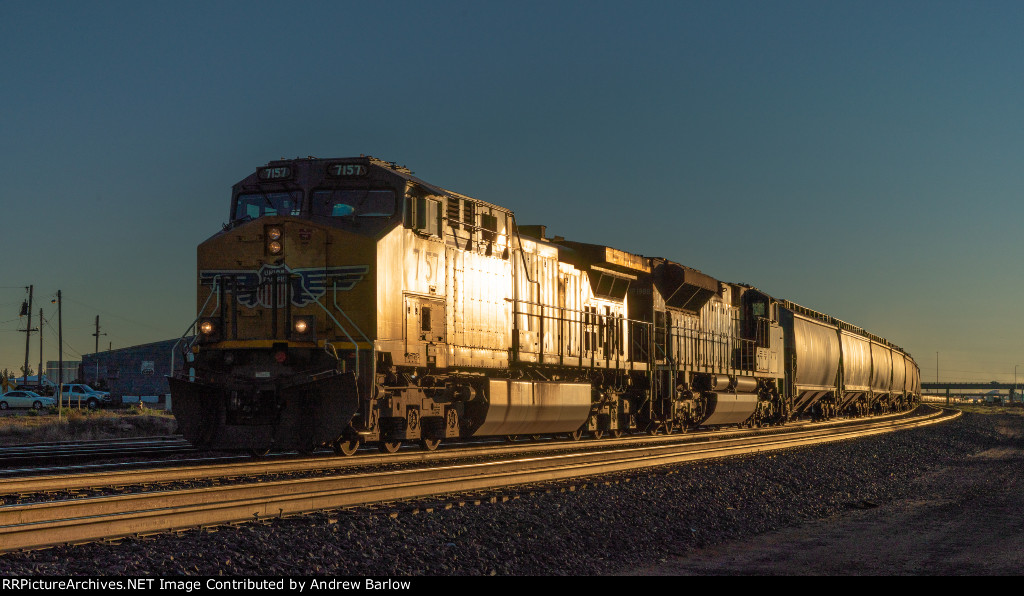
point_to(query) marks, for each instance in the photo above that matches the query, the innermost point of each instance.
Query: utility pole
(97, 351)
(39, 373)
(26, 309)
(60, 357)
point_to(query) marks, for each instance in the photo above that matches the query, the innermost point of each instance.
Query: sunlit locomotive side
(347, 301)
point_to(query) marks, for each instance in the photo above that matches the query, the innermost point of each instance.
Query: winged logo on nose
(256, 288)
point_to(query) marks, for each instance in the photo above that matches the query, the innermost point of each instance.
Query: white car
(25, 399)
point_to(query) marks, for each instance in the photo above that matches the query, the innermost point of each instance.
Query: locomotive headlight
(274, 235)
(209, 329)
(303, 328)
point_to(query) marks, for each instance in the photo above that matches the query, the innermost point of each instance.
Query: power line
(67, 346)
(115, 315)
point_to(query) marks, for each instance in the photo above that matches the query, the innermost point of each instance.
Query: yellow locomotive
(347, 301)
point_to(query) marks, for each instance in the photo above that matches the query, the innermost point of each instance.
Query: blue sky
(859, 158)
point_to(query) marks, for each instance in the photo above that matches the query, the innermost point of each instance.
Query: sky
(859, 158)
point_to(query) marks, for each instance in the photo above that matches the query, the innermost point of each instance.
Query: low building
(131, 374)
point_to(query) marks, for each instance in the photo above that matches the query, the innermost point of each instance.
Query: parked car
(78, 394)
(25, 399)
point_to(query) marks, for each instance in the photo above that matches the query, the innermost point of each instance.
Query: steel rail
(79, 450)
(42, 450)
(46, 524)
(90, 442)
(71, 482)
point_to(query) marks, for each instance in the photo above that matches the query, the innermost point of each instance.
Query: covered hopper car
(347, 301)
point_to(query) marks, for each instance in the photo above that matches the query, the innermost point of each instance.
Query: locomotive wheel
(598, 434)
(430, 444)
(511, 438)
(345, 447)
(615, 434)
(389, 446)
(576, 435)
(259, 451)
(536, 438)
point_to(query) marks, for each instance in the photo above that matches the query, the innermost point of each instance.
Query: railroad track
(82, 520)
(153, 473)
(38, 454)
(76, 462)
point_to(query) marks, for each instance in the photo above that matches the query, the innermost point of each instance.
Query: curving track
(214, 467)
(36, 525)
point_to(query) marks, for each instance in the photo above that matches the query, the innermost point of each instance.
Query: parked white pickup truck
(77, 394)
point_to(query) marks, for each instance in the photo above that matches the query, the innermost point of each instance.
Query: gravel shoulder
(938, 500)
(964, 515)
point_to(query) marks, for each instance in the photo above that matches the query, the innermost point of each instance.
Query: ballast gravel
(613, 525)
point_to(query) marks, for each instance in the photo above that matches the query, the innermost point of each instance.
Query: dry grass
(77, 425)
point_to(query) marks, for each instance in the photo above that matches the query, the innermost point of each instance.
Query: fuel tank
(728, 408)
(534, 407)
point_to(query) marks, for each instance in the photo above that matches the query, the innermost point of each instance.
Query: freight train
(347, 302)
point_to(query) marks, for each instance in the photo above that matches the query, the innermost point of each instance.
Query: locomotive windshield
(368, 203)
(268, 203)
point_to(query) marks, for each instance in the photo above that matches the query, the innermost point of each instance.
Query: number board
(277, 173)
(345, 170)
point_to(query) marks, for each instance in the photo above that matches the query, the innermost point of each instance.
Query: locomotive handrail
(585, 320)
(522, 253)
(338, 323)
(703, 348)
(344, 314)
(515, 286)
(373, 348)
(213, 292)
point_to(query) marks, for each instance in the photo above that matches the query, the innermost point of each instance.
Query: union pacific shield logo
(275, 284)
